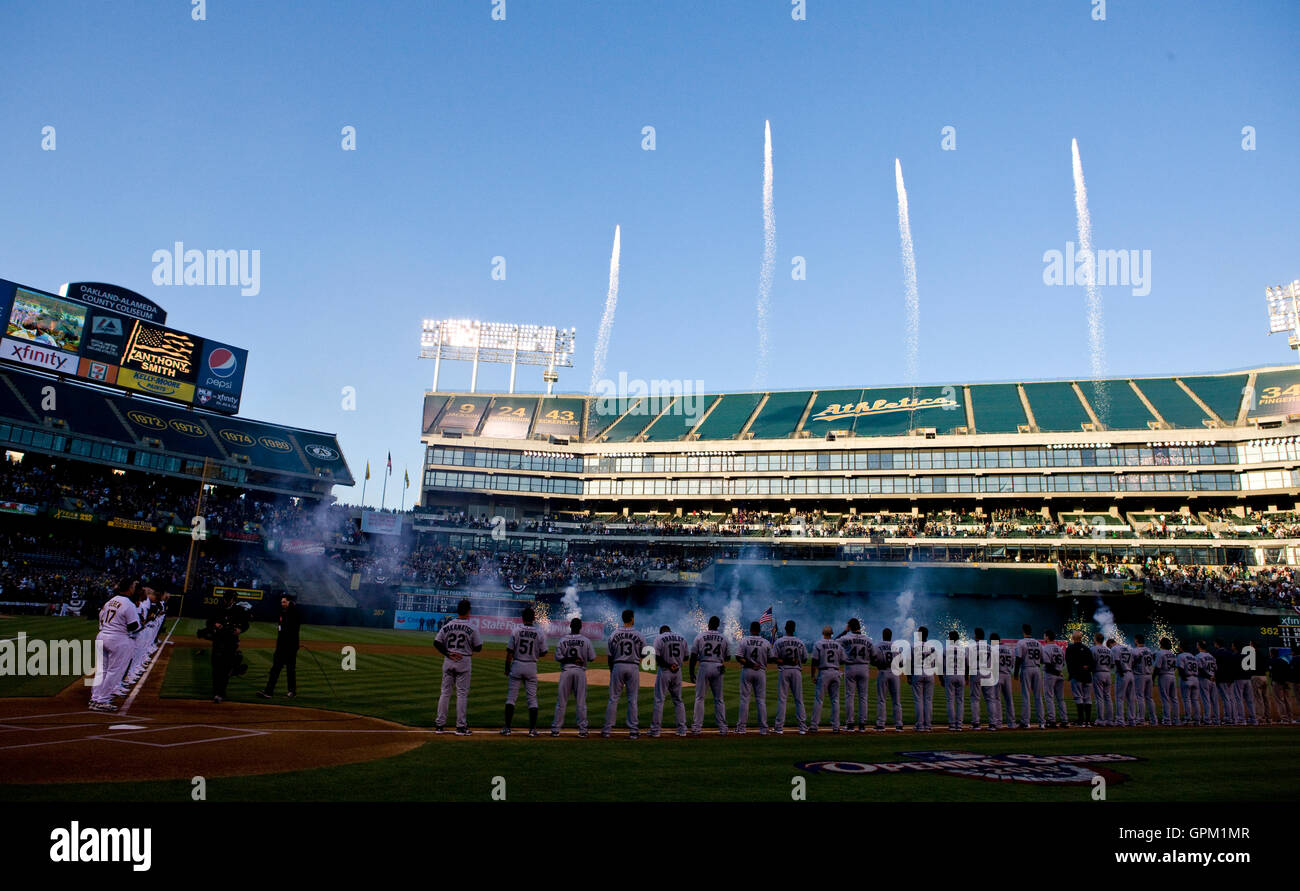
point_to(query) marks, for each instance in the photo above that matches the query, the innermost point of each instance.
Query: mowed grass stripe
(1180, 766)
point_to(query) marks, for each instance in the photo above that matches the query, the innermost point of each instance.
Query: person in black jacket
(223, 628)
(286, 649)
(1078, 661)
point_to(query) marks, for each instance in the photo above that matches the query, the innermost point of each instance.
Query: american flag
(166, 343)
(766, 617)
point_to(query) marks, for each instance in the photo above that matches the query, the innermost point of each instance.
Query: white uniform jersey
(1207, 665)
(711, 646)
(116, 617)
(792, 650)
(756, 651)
(827, 655)
(670, 649)
(1123, 658)
(1143, 661)
(1006, 660)
(1166, 662)
(626, 646)
(1188, 667)
(857, 649)
(527, 643)
(576, 649)
(1030, 652)
(1053, 659)
(1103, 659)
(459, 636)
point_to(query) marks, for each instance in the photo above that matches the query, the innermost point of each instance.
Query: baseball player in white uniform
(1207, 668)
(925, 664)
(1166, 666)
(790, 654)
(119, 621)
(1103, 661)
(458, 640)
(983, 697)
(753, 654)
(623, 652)
(574, 652)
(1245, 686)
(527, 644)
(1189, 676)
(1006, 713)
(1125, 685)
(710, 652)
(887, 681)
(827, 657)
(954, 680)
(857, 674)
(670, 653)
(1029, 661)
(1144, 661)
(1054, 680)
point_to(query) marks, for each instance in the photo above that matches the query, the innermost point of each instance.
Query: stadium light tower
(469, 340)
(1284, 311)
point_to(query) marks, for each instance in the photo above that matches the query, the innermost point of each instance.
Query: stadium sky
(523, 139)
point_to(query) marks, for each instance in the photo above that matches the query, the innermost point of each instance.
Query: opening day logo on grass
(1054, 770)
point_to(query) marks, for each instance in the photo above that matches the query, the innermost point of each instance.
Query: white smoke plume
(607, 318)
(569, 603)
(1105, 619)
(904, 622)
(768, 268)
(909, 277)
(1096, 322)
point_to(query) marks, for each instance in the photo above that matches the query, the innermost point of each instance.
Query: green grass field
(1180, 765)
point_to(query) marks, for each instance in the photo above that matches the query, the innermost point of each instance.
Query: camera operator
(286, 649)
(224, 627)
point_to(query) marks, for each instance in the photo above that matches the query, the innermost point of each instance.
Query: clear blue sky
(522, 138)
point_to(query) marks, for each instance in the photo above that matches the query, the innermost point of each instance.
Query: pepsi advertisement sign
(221, 377)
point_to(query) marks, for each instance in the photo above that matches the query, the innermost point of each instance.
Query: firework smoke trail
(1106, 620)
(904, 624)
(607, 318)
(569, 602)
(768, 268)
(1096, 324)
(909, 275)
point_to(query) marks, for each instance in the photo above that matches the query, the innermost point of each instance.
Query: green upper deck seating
(1116, 405)
(780, 415)
(1175, 406)
(1222, 393)
(729, 416)
(1056, 407)
(680, 418)
(997, 408)
(602, 413)
(637, 418)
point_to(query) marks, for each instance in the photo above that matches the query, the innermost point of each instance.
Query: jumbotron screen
(72, 338)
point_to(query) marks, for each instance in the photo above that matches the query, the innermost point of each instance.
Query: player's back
(117, 615)
(827, 654)
(1103, 658)
(857, 649)
(670, 649)
(575, 649)
(1123, 657)
(791, 651)
(1006, 659)
(1143, 660)
(460, 637)
(528, 643)
(1166, 662)
(1054, 658)
(626, 645)
(1206, 665)
(711, 646)
(1030, 651)
(756, 651)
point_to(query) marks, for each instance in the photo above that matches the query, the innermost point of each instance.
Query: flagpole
(384, 497)
(364, 483)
